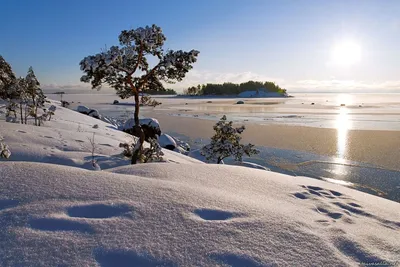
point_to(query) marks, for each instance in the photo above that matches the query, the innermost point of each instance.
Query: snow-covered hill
(56, 211)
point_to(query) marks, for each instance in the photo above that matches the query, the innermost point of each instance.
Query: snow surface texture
(179, 213)
(167, 140)
(65, 140)
(147, 121)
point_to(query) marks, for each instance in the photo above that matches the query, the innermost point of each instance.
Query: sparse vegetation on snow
(226, 143)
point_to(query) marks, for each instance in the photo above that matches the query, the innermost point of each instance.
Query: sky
(302, 45)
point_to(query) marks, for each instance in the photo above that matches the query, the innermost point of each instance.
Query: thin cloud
(345, 85)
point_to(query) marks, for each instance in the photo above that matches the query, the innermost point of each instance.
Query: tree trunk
(36, 115)
(219, 160)
(138, 131)
(25, 115)
(20, 109)
(34, 107)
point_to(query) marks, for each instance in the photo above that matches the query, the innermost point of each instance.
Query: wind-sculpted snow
(188, 215)
(56, 211)
(65, 141)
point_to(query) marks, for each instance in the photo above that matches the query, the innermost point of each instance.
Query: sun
(346, 53)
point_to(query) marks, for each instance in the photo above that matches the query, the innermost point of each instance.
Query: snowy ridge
(187, 214)
(65, 140)
(178, 213)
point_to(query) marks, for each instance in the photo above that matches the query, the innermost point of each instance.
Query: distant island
(247, 89)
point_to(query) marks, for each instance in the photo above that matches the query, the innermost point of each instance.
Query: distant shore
(225, 96)
(368, 146)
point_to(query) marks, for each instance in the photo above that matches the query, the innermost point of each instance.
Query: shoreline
(364, 146)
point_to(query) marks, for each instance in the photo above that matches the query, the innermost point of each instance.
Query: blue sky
(289, 42)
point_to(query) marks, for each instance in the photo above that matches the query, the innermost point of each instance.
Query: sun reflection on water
(342, 127)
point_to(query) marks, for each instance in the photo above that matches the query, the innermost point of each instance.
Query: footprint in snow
(331, 214)
(8, 203)
(127, 258)
(316, 191)
(101, 211)
(303, 195)
(237, 260)
(355, 251)
(59, 224)
(342, 208)
(214, 215)
(355, 209)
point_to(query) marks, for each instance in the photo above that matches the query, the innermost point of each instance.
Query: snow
(65, 140)
(166, 140)
(83, 109)
(94, 113)
(146, 121)
(56, 211)
(260, 93)
(251, 165)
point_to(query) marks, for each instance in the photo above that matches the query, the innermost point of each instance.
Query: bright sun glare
(346, 53)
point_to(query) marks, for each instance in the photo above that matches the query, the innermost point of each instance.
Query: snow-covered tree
(37, 99)
(226, 143)
(126, 68)
(8, 88)
(152, 153)
(21, 89)
(22, 92)
(7, 79)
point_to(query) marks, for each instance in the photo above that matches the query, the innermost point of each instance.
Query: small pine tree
(226, 143)
(35, 94)
(22, 96)
(7, 80)
(152, 153)
(8, 88)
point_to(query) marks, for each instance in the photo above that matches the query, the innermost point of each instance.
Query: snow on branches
(126, 68)
(7, 80)
(226, 143)
(24, 93)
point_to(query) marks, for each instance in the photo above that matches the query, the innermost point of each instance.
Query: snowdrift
(56, 211)
(187, 215)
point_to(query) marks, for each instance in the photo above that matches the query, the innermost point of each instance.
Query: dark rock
(64, 104)
(83, 109)
(116, 102)
(150, 126)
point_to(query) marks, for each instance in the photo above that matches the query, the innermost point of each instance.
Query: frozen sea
(342, 112)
